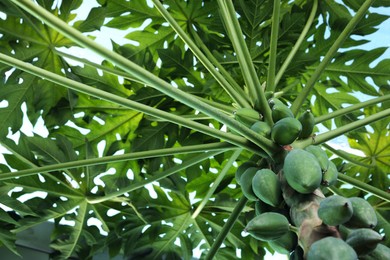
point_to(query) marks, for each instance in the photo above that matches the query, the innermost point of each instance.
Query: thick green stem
(346, 156)
(235, 95)
(226, 228)
(145, 76)
(34, 167)
(112, 71)
(118, 158)
(365, 187)
(224, 73)
(231, 138)
(329, 55)
(301, 38)
(244, 58)
(321, 138)
(156, 177)
(352, 108)
(273, 46)
(217, 181)
(116, 72)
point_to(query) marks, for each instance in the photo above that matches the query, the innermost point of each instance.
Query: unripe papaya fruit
(242, 168)
(246, 183)
(321, 156)
(363, 214)
(266, 187)
(268, 226)
(335, 210)
(329, 177)
(280, 111)
(307, 120)
(364, 240)
(274, 101)
(381, 252)
(302, 171)
(247, 116)
(261, 128)
(285, 131)
(285, 244)
(331, 248)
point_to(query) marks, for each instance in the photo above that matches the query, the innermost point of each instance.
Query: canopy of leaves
(142, 177)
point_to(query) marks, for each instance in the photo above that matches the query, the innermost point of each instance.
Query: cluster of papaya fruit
(286, 128)
(291, 212)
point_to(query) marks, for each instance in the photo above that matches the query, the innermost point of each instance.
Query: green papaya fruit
(268, 226)
(363, 214)
(364, 240)
(266, 187)
(307, 120)
(261, 128)
(321, 156)
(285, 131)
(242, 168)
(280, 111)
(329, 177)
(285, 244)
(335, 210)
(274, 101)
(246, 183)
(330, 248)
(302, 171)
(381, 252)
(247, 116)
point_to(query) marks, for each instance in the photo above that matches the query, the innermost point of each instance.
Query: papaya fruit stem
(294, 229)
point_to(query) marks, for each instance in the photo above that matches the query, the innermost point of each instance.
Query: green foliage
(159, 176)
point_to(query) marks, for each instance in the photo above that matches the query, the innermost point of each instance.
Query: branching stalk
(35, 168)
(365, 187)
(301, 38)
(145, 76)
(224, 73)
(118, 158)
(158, 176)
(233, 93)
(116, 72)
(352, 108)
(226, 228)
(273, 46)
(329, 55)
(346, 156)
(324, 137)
(112, 71)
(251, 79)
(217, 181)
(68, 83)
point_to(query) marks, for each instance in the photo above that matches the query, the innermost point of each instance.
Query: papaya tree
(207, 131)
